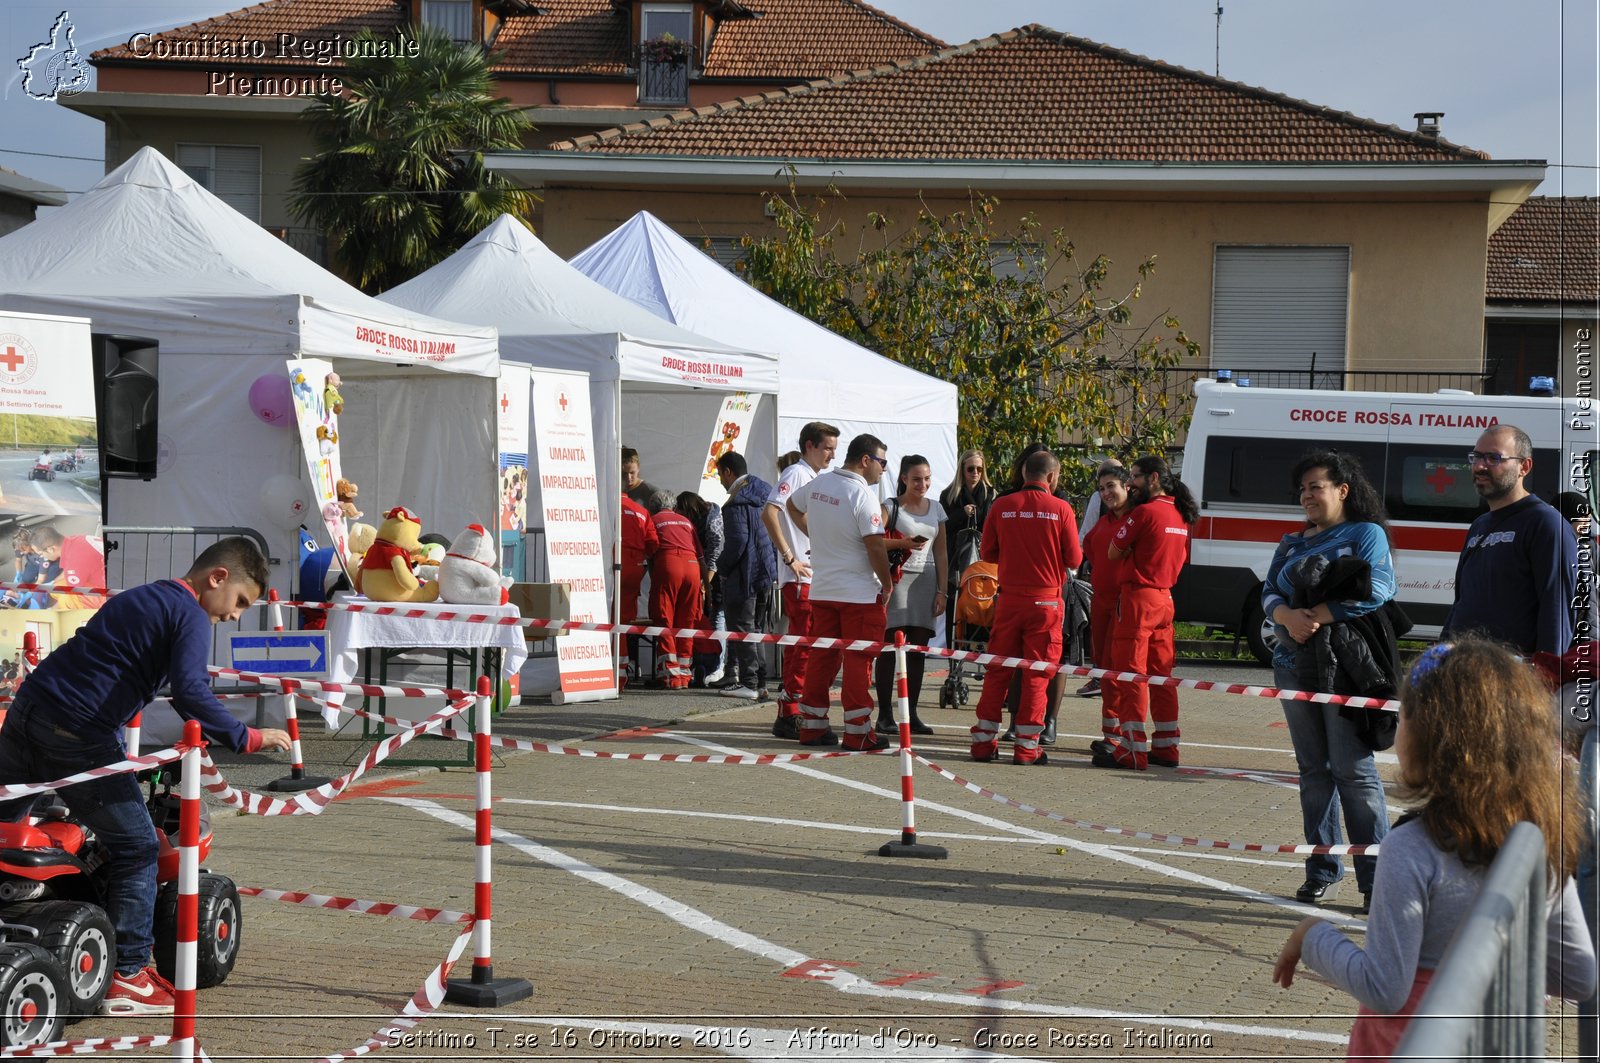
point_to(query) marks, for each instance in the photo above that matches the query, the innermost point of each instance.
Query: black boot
(917, 726)
(886, 724)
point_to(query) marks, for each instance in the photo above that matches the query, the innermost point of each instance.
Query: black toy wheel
(33, 996)
(221, 925)
(83, 942)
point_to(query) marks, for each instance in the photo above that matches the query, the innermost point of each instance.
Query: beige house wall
(1417, 267)
(283, 143)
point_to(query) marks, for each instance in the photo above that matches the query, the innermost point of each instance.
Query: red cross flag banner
(729, 432)
(316, 405)
(50, 476)
(511, 414)
(564, 460)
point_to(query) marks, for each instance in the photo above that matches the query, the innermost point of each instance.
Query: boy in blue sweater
(69, 714)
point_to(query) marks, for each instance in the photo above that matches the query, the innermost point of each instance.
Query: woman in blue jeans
(1344, 519)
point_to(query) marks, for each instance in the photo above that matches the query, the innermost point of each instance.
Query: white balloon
(286, 499)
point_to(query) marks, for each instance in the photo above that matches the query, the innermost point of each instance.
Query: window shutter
(231, 173)
(1273, 307)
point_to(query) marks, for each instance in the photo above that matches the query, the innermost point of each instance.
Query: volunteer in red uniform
(1105, 576)
(818, 441)
(1033, 536)
(850, 587)
(1154, 543)
(674, 586)
(638, 543)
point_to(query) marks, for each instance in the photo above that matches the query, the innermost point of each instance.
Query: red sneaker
(145, 993)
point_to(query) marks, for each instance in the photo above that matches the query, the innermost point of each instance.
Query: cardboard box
(546, 601)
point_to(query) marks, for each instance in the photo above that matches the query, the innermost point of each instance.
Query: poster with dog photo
(317, 403)
(729, 432)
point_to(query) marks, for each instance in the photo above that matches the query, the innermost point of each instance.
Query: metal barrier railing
(1486, 1000)
(144, 555)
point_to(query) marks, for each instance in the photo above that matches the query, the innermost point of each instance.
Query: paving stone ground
(704, 911)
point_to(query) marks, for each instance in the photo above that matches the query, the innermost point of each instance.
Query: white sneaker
(747, 693)
(713, 677)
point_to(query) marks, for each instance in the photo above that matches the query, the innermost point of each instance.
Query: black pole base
(494, 993)
(289, 784)
(914, 850)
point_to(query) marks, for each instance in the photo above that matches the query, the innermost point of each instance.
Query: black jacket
(1358, 656)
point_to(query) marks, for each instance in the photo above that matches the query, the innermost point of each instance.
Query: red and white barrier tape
(299, 684)
(312, 802)
(349, 904)
(144, 763)
(1141, 835)
(56, 588)
(668, 758)
(86, 1046)
(424, 1002)
(855, 646)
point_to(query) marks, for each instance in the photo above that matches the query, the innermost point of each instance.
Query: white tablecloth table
(349, 633)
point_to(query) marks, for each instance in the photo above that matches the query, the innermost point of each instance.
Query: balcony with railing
(664, 64)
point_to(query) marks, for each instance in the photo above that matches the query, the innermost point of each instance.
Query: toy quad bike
(57, 945)
(42, 470)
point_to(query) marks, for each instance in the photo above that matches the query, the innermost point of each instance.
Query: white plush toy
(467, 575)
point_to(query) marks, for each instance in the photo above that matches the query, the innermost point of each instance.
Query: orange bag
(975, 596)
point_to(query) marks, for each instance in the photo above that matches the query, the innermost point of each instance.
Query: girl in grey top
(1477, 753)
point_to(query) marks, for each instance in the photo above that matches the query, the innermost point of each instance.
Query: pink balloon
(270, 399)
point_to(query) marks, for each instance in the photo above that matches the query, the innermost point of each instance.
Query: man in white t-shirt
(818, 441)
(850, 585)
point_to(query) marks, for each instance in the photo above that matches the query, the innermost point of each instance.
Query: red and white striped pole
(130, 734)
(183, 981)
(30, 653)
(483, 990)
(297, 779)
(908, 844)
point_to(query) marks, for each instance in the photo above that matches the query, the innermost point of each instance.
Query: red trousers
(1028, 627)
(851, 621)
(1102, 622)
(797, 607)
(630, 580)
(675, 602)
(1142, 642)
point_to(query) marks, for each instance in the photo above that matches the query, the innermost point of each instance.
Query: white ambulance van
(1244, 443)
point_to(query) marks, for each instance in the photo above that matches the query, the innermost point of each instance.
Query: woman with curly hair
(1345, 526)
(1476, 757)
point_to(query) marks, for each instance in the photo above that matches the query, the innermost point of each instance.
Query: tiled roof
(1027, 94)
(1546, 252)
(787, 40)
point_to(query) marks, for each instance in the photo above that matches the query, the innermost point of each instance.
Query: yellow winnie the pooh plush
(385, 572)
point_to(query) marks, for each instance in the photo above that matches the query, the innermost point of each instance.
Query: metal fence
(1180, 381)
(1486, 1000)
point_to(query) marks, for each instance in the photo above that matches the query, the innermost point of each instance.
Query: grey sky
(1501, 73)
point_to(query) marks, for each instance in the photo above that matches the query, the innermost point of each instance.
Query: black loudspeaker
(127, 390)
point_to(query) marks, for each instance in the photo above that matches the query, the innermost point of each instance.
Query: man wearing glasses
(850, 586)
(1515, 577)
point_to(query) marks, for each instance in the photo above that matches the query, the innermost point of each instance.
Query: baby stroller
(974, 614)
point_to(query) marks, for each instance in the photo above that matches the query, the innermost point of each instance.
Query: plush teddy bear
(361, 539)
(332, 401)
(327, 439)
(468, 576)
(385, 572)
(346, 491)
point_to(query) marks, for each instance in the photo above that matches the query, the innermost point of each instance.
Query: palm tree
(398, 178)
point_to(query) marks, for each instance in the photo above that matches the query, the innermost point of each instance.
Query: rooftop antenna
(1218, 58)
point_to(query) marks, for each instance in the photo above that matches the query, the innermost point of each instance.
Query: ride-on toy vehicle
(57, 946)
(66, 464)
(42, 470)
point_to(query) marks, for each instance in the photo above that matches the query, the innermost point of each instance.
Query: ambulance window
(1432, 483)
(1251, 470)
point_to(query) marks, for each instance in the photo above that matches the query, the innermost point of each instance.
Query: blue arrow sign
(280, 652)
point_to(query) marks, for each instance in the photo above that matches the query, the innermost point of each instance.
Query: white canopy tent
(148, 252)
(822, 376)
(657, 387)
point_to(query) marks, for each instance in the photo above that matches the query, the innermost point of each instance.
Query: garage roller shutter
(1272, 307)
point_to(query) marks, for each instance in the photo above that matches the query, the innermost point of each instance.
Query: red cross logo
(1439, 479)
(561, 400)
(18, 360)
(505, 402)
